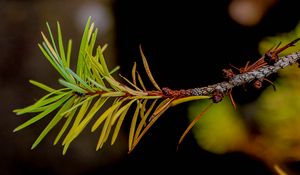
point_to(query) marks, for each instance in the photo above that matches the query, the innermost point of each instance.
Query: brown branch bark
(240, 79)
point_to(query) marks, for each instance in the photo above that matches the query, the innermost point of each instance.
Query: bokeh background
(187, 44)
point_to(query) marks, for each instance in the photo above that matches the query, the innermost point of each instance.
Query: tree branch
(239, 79)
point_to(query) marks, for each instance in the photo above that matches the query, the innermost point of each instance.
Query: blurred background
(187, 44)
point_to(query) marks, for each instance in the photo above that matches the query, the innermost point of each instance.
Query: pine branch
(246, 77)
(86, 90)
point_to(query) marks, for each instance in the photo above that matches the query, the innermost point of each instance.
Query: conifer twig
(86, 90)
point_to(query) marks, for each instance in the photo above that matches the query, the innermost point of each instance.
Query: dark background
(187, 43)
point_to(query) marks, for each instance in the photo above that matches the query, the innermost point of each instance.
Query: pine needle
(147, 68)
(193, 123)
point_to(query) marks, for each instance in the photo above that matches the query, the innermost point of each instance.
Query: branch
(258, 71)
(248, 77)
(86, 90)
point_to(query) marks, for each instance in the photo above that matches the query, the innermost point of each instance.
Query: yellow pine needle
(132, 84)
(104, 47)
(133, 74)
(123, 87)
(78, 118)
(105, 129)
(74, 132)
(90, 31)
(113, 94)
(107, 113)
(156, 114)
(186, 99)
(50, 47)
(141, 81)
(143, 108)
(118, 126)
(120, 111)
(143, 120)
(100, 102)
(193, 123)
(161, 107)
(104, 134)
(133, 124)
(67, 122)
(147, 68)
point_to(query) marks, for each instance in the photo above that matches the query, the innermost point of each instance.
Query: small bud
(271, 58)
(217, 96)
(257, 84)
(227, 73)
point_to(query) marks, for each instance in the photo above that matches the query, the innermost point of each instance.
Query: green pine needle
(85, 92)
